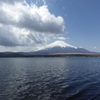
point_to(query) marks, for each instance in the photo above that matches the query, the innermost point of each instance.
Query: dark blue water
(65, 78)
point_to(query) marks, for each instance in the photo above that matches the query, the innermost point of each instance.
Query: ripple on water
(50, 78)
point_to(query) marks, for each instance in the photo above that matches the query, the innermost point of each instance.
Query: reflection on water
(50, 78)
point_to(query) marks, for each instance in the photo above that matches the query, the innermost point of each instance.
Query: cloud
(57, 37)
(12, 36)
(95, 47)
(31, 17)
(8, 1)
(23, 24)
(39, 1)
(62, 38)
(7, 38)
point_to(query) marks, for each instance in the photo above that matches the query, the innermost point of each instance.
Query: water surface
(62, 78)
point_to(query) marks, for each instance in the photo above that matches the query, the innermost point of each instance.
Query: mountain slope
(60, 47)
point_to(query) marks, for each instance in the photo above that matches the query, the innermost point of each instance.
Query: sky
(28, 25)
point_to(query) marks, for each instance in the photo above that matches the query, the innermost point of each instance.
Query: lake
(50, 78)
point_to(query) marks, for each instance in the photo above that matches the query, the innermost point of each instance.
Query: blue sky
(78, 21)
(82, 20)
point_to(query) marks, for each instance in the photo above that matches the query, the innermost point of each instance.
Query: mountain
(60, 47)
(56, 49)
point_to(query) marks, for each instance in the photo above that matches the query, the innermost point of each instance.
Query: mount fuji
(60, 47)
(56, 49)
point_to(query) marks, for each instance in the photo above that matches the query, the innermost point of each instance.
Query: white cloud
(31, 17)
(22, 24)
(95, 47)
(9, 1)
(61, 37)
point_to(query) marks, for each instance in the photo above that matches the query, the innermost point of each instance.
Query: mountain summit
(61, 44)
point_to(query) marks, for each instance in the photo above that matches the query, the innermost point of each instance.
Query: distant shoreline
(2, 55)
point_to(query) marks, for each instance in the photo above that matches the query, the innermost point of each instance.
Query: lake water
(62, 78)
